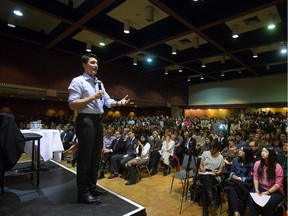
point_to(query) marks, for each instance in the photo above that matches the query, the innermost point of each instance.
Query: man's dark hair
(85, 57)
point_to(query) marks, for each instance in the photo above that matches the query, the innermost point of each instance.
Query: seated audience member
(207, 144)
(240, 182)
(143, 153)
(188, 144)
(282, 160)
(108, 138)
(212, 162)
(235, 126)
(156, 145)
(267, 180)
(255, 150)
(239, 142)
(214, 134)
(115, 148)
(281, 141)
(222, 141)
(68, 136)
(228, 153)
(266, 142)
(200, 139)
(166, 153)
(119, 160)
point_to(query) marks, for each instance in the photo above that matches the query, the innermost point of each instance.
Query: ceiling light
(202, 77)
(102, 42)
(271, 21)
(180, 70)
(235, 31)
(255, 53)
(196, 42)
(126, 26)
(222, 74)
(11, 21)
(203, 64)
(149, 59)
(149, 14)
(174, 50)
(135, 61)
(18, 13)
(88, 46)
(188, 79)
(166, 71)
(283, 50)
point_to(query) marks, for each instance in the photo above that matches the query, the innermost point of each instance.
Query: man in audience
(119, 160)
(256, 151)
(222, 141)
(239, 141)
(115, 148)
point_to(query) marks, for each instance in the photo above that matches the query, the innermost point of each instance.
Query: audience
(267, 180)
(118, 161)
(228, 153)
(143, 153)
(260, 131)
(156, 145)
(166, 153)
(115, 148)
(240, 182)
(212, 162)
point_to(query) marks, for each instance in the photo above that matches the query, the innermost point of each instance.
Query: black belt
(91, 115)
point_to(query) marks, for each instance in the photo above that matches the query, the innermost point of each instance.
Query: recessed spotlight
(18, 13)
(283, 50)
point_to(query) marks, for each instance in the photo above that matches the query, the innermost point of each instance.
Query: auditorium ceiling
(199, 33)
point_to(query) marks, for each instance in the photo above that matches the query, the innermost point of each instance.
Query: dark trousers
(237, 200)
(268, 209)
(118, 161)
(104, 159)
(89, 131)
(207, 192)
(154, 160)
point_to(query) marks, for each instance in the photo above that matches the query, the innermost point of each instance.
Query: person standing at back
(87, 95)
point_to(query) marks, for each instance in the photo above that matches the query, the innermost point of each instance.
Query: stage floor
(57, 195)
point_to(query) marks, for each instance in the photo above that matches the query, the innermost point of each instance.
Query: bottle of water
(189, 195)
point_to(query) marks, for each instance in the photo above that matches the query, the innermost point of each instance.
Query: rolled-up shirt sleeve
(74, 91)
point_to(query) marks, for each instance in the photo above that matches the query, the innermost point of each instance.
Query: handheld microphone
(99, 87)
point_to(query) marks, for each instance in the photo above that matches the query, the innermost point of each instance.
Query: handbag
(195, 192)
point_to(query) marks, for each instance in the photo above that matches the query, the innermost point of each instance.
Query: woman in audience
(267, 180)
(228, 153)
(211, 165)
(166, 153)
(207, 144)
(143, 153)
(240, 182)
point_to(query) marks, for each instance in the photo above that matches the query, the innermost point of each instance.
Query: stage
(57, 195)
